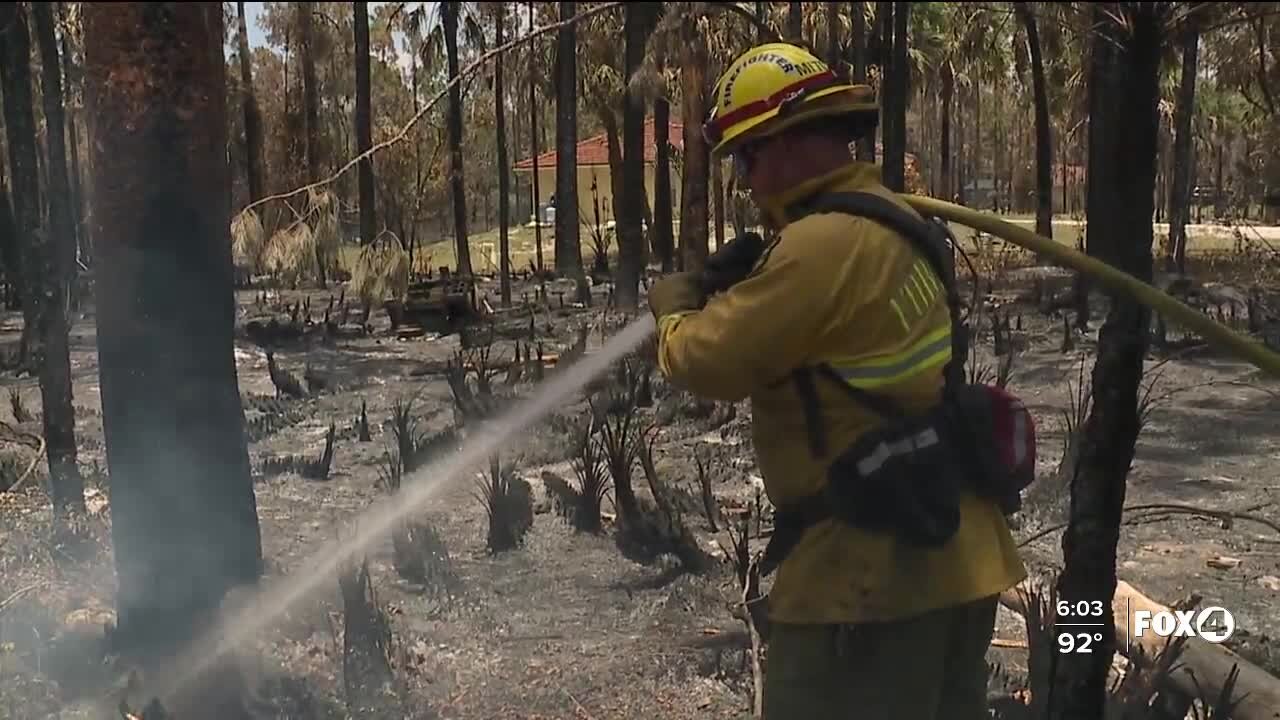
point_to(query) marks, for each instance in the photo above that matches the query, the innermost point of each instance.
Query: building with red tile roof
(593, 168)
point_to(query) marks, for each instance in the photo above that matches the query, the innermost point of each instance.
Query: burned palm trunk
(1123, 126)
(184, 519)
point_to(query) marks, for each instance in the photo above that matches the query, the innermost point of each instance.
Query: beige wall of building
(604, 190)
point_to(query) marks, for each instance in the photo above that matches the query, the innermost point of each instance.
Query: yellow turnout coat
(847, 291)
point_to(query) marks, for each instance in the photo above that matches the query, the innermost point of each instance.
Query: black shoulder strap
(925, 239)
(884, 211)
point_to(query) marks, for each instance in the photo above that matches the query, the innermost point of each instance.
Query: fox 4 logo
(1214, 624)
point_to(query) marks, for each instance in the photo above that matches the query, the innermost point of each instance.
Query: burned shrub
(9, 471)
(614, 412)
(591, 468)
(20, 412)
(650, 532)
(362, 423)
(414, 446)
(317, 469)
(418, 553)
(284, 381)
(366, 643)
(710, 507)
(508, 505)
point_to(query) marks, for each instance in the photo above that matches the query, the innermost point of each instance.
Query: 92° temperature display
(1079, 625)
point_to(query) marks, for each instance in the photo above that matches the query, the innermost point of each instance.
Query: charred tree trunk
(664, 235)
(457, 186)
(1183, 154)
(252, 116)
(833, 35)
(895, 146)
(1123, 96)
(636, 28)
(184, 520)
(795, 22)
(535, 147)
(66, 488)
(568, 242)
(697, 157)
(364, 125)
(9, 247)
(613, 148)
(83, 246)
(504, 172)
(311, 112)
(20, 134)
(866, 146)
(944, 166)
(1044, 147)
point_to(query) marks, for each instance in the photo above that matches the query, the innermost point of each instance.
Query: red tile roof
(595, 150)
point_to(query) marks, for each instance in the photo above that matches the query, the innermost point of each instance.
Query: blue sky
(252, 11)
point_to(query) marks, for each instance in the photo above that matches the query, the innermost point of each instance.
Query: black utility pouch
(901, 480)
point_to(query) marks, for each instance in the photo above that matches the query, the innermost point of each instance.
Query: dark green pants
(929, 667)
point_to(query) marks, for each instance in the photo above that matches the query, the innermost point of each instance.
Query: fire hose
(1214, 333)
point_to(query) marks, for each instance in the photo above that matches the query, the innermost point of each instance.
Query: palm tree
(504, 177)
(866, 148)
(364, 124)
(66, 485)
(184, 521)
(664, 236)
(1183, 150)
(637, 25)
(534, 148)
(1044, 149)
(568, 245)
(311, 109)
(895, 99)
(450, 12)
(49, 249)
(20, 132)
(252, 115)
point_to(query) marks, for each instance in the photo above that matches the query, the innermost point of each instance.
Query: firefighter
(863, 624)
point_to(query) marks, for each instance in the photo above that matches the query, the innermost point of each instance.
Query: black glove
(730, 264)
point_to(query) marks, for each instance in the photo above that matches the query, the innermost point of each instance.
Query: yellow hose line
(1212, 331)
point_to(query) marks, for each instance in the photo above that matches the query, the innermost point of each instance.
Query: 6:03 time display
(1080, 608)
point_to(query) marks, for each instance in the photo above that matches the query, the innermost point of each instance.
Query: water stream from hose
(253, 617)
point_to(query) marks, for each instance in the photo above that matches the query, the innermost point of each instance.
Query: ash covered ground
(569, 624)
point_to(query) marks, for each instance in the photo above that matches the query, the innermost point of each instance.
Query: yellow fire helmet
(774, 86)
